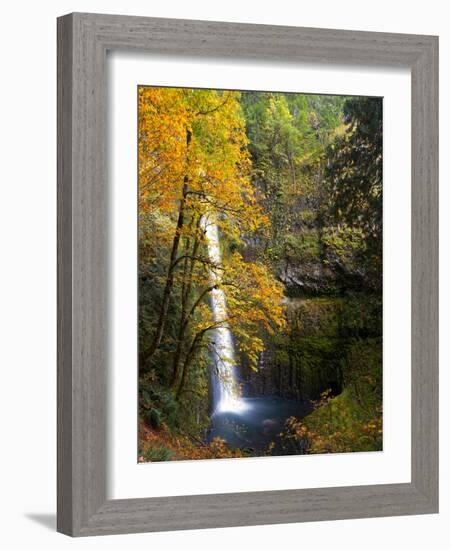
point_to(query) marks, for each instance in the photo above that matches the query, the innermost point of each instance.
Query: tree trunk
(195, 345)
(172, 265)
(187, 362)
(185, 295)
(177, 370)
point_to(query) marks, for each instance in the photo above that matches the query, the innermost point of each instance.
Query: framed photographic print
(247, 274)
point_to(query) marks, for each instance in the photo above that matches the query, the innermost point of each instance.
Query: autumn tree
(193, 166)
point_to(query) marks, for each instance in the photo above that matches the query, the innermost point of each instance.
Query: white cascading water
(226, 390)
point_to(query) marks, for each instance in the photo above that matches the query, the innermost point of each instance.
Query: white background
(28, 299)
(131, 480)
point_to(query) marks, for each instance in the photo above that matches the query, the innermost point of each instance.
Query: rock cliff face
(296, 364)
(264, 381)
(311, 354)
(306, 278)
(319, 180)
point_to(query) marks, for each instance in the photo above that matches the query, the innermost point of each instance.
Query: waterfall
(225, 386)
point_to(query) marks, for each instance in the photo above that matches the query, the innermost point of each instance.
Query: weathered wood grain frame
(83, 40)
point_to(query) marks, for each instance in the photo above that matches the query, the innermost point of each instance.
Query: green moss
(305, 246)
(352, 421)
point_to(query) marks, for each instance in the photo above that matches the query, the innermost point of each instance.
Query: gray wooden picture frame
(83, 41)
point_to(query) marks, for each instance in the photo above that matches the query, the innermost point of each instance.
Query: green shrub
(153, 419)
(157, 454)
(158, 399)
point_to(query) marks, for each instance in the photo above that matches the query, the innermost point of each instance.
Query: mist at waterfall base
(258, 423)
(243, 422)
